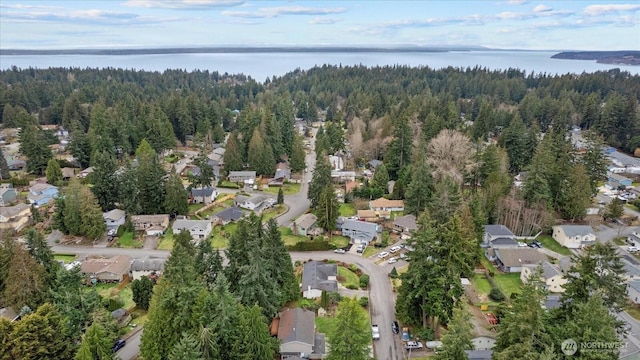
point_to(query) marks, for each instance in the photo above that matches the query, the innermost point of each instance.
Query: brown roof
(67, 172)
(519, 257)
(349, 186)
(150, 219)
(119, 264)
(296, 325)
(386, 203)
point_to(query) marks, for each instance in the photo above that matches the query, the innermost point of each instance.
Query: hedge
(315, 245)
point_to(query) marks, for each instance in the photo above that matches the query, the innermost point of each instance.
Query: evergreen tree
(129, 191)
(256, 286)
(233, 155)
(34, 146)
(399, 151)
(95, 344)
(595, 162)
(6, 326)
(381, 178)
(323, 144)
(297, 158)
(41, 335)
(445, 200)
(280, 200)
(24, 284)
(420, 187)
(514, 140)
(39, 249)
(320, 180)
(80, 212)
(281, 266)
(350, 335)
(575, 197)
(260, 155)
(176, 200)
(208, 263)
(53, 172)
(105, 184)
(142, 290)
(205, 177)
(100, 133)
(255, 341)
(80, 147)
(186, 349)
(328, 209)
(458, 336)
(614, 209)
(4, 167)
(149, 179)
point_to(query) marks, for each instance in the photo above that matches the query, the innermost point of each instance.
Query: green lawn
(633, 310)
(369, 251)
(287, 189)
(273, 212)
(127, 240)
(481, 284)
(126, 295)
(210, 211)
(339, 241)
(620, 240)
(166, 241)
(347, 210)
(350, 278)
(104, 290)
(66, 258)
(221, 235)
(194, 207)
(289, 239)
(508, 283)
(171, 158)
(228, 184)
(551, 244)
(323, 324)
(487, 264)
(632, 207)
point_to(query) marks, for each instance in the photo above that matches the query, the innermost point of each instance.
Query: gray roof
(297, 325)
(11, 211)
(230, 214)
(375, 163)
(306, 220)
(114, 215)
(617, 177)
(257, 199)
(38, 188)
(282, 173)
(8, 313)
(219, 151)
(242, 173)
(190, 224)
(549, 270)
(552, 302)
(407, 222)
(316, 274)
(200, 191)
(319, 345)
(519, 257)
(479, 354)
(147, 264)
(362, 226)
(504, 241)
(118, 314)
(498, 230)
(577, 230)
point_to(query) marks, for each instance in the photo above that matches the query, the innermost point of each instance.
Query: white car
(339, 251)
(395, 249)
(633, 249)
(392, 260)
(412, 345)
(383, 255)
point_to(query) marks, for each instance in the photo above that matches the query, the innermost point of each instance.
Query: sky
(504, 24)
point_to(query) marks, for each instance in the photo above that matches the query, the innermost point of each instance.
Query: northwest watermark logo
(570, 347)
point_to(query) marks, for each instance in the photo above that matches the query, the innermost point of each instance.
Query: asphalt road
(132, 348)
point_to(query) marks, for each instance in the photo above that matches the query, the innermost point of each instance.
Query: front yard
(351, 280)
(65, 258)
(287, 189)
(273, 212)
(129, 240)
(551, 244)
(166, 241)
(289, 239)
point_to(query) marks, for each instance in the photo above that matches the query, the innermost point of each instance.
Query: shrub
(394, 273)
(352, 287)
(496, 295)
(426, 334)
(311, 246)
(364, 301)
(364, 281)
(353, 268)
(113, 303)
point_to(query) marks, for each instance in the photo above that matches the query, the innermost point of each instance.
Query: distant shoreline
(603, 57)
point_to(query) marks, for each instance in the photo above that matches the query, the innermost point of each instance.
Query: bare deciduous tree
(523, 220)
(451, 154)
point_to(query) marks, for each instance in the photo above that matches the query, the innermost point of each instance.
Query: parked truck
(376, 332)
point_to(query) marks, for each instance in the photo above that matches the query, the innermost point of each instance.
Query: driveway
(131, 349)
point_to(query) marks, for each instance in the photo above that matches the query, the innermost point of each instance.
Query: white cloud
(541, 8)
(182, 4)
(322, 21)
(284, 10)
(595, 10)
(89, 16)
(517, 2)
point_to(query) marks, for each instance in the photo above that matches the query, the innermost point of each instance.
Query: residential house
(483, 342)
(205, 195)
(298, 337)
(15, 164)
(373, 164)
(574, 236)
(615, 181)
(405, 225)
(552, 302)
(250, 203)
(318, 276)
(149, 267)
(14, 217)
(304, 224)
(67, 173)
(218, 156)
(373, 215)
(633, 291)
(107, 269)
(151, 224)
(42, 194)
(86, 172)
(337, 164)
(246, 177)
(479, 354)
(114, 218)
(551, 275)
(282, 176)
(498, 236)
(513, 260)
(343, 176)
(9, 314)
(7, 194)
(383, 204)
(227, 215)
(359, 231)
(199, 229)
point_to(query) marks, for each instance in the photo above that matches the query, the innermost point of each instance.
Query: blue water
(262, 65)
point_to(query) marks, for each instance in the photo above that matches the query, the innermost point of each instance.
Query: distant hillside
(602, 57)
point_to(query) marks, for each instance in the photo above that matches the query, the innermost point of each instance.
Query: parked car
(395, 327)
(383, 255)
(375, 330)
(405, 334)
(112, 232)
(118, 345)
(360, 249)
(633, 249)
(413, 345)
(537, 243)
(339, 251)
(392, 260)
(394, 249)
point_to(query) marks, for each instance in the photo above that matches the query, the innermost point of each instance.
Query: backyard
(287, 189)
(347, 210)
(551, 244)
(221, 235)
(289, 239)
(508, 283)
